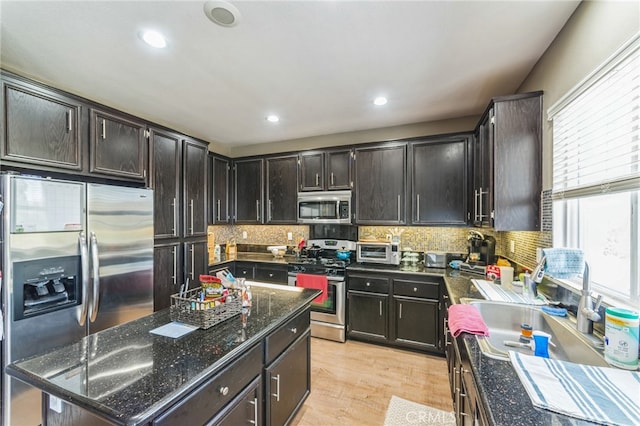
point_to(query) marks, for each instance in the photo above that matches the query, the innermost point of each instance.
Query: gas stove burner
(322, 261)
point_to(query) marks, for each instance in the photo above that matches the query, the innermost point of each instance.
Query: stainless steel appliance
(78, 258)
(328, 320)
(324, 207)
(481, 249)
(387, 253)
(435, 259)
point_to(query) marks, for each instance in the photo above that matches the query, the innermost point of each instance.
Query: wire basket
(204, 313)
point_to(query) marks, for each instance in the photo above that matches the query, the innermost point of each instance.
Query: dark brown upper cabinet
(117, 145)
(219, 184)
(439, 180)
(195, 195)
(326, 170)
(282, 184)
(165, 178)
(380, 184)
(248, 191)
(508, 164)
(41, 127)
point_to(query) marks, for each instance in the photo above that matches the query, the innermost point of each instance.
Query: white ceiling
(317, 64)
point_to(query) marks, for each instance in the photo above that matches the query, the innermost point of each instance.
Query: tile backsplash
(418, 238)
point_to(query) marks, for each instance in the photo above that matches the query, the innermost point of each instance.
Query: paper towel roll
(506, 276)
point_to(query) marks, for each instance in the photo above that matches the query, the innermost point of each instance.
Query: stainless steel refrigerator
(78, 258)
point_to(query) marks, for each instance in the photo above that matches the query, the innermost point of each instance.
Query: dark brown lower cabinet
(414, 324)
(245, 409)
(368, 315)
(467, 407)
(167, 267)
(395, 309)
(288, 382)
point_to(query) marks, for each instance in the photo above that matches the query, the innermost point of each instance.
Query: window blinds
(596, 130)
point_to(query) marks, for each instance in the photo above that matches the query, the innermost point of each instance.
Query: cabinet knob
(224, 390)
(294, 330)
(415, 289)
(368, 284)
(270, 275)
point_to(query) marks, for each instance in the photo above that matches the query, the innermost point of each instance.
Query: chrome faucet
(587, 313)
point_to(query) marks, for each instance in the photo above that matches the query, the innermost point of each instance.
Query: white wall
(593, 33)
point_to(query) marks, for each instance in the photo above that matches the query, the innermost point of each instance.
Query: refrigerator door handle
(84, 265)
(95, 304)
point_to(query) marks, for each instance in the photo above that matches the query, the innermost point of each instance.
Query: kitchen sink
(504, 320)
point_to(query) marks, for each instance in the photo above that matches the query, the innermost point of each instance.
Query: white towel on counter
(604, 395)
(498, 293)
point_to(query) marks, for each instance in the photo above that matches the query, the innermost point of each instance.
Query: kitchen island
(126, 375)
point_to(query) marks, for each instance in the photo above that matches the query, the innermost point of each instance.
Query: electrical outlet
(538, 254)
(244, 235)
(290, 236)
(55, 404)
(512, 246)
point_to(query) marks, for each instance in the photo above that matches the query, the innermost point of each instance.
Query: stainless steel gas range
(327, 317)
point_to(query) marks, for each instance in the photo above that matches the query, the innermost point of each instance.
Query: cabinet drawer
(279, 340)
(271, 275)
(203, 403)
(245, 270)
(374, 285)
(425, 290)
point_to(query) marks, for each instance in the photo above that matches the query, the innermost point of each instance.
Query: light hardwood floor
(352, 383)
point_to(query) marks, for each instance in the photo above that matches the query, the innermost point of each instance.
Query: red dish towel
(466, 319)
(316, 282)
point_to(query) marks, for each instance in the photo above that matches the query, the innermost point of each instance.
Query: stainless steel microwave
(324, 207)
(378, 252)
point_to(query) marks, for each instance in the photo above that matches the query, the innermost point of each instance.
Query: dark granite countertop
(252, 257)
(128, 375)
(503, 396)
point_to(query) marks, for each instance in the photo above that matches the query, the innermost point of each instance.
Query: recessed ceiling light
(380, 100)
(154, 39)
(222, 13)
(273, 118)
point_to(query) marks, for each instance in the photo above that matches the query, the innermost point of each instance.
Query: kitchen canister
(621, 338)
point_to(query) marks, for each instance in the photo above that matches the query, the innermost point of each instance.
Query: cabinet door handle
(317, 179)
(175, 266)
(277, 394)
(255, 411)
(400, 316)
(445, 327)
(193, 264)
(104, 129)
(191, 208)
(257, 210)
(175, 217)
(294, 330)
(380, 301)
(417, 207)
(475, 205)
(269, 210)
(224, 390)
(218, 210)
(332, 179)
(398, 207)
(69, 123)
(480, 212)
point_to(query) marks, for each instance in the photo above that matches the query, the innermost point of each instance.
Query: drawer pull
(255, 411)
(294, 330)
(415, 289)
(277, 394)
(368, 284)
(270, 275)
(224, 390)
